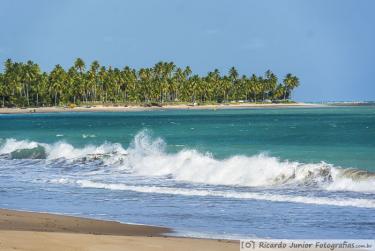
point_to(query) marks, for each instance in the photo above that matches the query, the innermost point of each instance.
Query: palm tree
(215, 79)
(72, 83)
(31, 77)
(79, 64)
(24, 84)
(194, 87)
(8, 80)
(226, 86)
(42, 90)
(290, 82)
(92, 79)
(145, 76)
(34, 77)
(102, 77)
(255, 86)
(233, 76)
(130, 78)
(270, 83)
(57, 78)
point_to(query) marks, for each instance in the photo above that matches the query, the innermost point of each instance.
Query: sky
(328, 44)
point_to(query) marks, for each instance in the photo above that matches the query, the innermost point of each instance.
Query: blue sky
(329, 44)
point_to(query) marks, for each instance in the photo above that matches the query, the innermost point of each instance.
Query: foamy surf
(366, 203)
(146, 156)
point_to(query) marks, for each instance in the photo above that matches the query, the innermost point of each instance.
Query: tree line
(26, 85)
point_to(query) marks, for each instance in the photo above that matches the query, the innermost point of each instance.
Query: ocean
(228, 173)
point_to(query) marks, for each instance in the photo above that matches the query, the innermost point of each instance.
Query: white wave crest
(67, 151)
(228, 194)
(148, 157)
(110, 153)
(11, 145)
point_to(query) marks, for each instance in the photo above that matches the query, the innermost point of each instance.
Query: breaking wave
(24, 149)
(146, 156)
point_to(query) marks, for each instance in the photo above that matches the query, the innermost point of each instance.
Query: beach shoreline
(138, 108)
(23, 230)
(20, 220)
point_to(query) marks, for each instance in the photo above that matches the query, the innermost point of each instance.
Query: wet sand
(44, 222)
(42, 232)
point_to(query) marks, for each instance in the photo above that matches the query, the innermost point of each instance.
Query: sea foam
(147, 156)
(367, 203)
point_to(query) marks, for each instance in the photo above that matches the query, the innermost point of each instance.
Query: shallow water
(283, 173)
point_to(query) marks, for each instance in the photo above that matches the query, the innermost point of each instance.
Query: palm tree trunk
(285, 92)
(27, 96)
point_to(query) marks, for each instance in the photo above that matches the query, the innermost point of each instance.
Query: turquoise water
(341, 136)
(204, 172)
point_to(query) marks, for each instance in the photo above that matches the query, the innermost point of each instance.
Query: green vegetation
(24, 84)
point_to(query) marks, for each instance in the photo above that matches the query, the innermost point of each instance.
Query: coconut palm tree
(270, 82)
(290, 82)
(56, 79)
(145, 76)
(24, 84)
(92, 79)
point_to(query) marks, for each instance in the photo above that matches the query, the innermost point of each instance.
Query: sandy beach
(30, 231)
(101, 108)
(41, 231)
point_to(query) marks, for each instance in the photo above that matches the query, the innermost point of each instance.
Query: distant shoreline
(135, 108)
